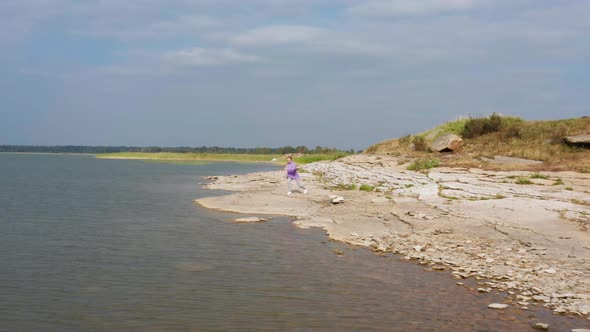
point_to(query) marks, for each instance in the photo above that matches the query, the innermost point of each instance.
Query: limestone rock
(541, 326)
(578, 140)
(250, 219)
(447, 142)
(336, 199)
(497, 306)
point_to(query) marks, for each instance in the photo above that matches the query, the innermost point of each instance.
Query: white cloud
(208, 57)
(393, 8)
(151, 29)
(277, 34)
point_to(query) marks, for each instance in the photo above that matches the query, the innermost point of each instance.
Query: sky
(250, 73)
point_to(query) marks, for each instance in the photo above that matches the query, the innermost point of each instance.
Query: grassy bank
(168, 156)
(500, 136)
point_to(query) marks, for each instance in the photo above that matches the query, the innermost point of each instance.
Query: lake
(118, 245)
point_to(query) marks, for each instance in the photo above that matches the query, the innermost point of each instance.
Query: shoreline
(531, 241)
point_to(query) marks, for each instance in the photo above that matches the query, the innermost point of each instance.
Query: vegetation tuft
(523, 181)
(424, 163)
(366, 187)
(539, 176)
(475, 127)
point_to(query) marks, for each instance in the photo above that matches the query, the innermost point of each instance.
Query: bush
(558, 134)
(514, 131)
(424, 163)
(405, 140)
(420, 143)
(475, 127)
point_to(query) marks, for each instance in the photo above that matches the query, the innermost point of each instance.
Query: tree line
(181, 149)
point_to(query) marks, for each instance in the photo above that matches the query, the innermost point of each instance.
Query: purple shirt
(292, 171)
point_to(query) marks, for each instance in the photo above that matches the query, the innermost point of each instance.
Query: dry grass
(535, 140)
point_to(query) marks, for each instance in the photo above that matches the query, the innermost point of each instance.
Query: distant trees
(154, 149)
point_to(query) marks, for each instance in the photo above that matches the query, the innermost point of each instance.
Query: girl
(292, 174)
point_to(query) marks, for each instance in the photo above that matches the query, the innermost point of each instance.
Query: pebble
(497, 306)
(541, 326)
(251, 219)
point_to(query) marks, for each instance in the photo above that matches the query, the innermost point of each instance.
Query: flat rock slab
(583, 140)
(250, 219)
(511, 160)
(497, 306)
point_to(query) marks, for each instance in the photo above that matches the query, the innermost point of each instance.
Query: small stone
(550, 271)
(460, 283)
(497, 306)
(484, 290)
(581, 330)
(417, 248)
(541, 326)
(336, 199)
(489, 260)
(251, 219)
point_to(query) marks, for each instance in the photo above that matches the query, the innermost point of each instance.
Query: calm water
(116, 245)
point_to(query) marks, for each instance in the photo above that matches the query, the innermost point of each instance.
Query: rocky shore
(529, 238)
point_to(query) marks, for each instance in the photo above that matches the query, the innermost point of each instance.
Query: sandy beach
(529, 240)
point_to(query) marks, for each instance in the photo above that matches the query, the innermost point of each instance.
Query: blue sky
(249, 73)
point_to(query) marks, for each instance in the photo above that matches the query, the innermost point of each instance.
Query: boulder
(447, 143)
(578, 140)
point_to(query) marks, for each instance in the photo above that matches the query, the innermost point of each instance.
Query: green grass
(366, 187)
(424, 163)
(558, 182)
(310, 158)
(343, 186)
(169, 156)
(523, 181)
(539, 176)
(188, 156)
(455, 127)
(568, 188)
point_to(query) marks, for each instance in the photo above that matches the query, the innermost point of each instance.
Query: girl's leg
(289, 185)
(299, 184)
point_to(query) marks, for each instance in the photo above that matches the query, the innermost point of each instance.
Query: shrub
(514, 131)
(475, 127)
(569, 188)
(420, 143)
(424, 163)
(558, 182)
(558, 133)
(405, 140)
